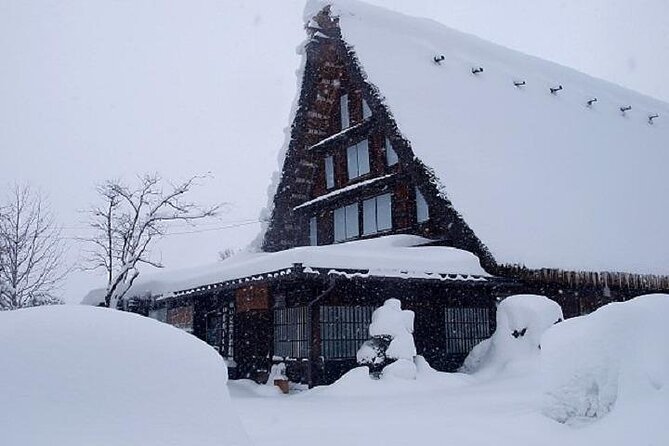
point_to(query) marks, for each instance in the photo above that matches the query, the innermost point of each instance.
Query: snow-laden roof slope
(541, 178)
(390, 256)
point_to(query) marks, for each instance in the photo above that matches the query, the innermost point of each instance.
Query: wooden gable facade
(339, 119)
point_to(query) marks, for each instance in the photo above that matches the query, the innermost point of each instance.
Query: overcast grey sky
(95, 90)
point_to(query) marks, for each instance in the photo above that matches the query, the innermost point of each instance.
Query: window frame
(421, 204)
(391, 155)
(465, 327)
(343, 329)
(313, 231)
(357, 152)
(344, 111)
(373, 202)
(329, 172)
(348, 233)
(291, 339)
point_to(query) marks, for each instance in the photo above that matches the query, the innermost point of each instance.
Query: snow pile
(76, 375)
(489, 143)
(616, 356)
(521, 321)
(391, 334)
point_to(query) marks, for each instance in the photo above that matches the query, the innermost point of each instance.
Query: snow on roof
(542, 178)
(389, 256)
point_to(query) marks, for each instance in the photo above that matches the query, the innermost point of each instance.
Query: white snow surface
(394, 255)
(526, 315)
(542, 179)
(76, 375)
(506, 409)
(613, 359)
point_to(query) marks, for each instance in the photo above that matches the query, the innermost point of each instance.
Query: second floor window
(366, 111)
(422, 211)
(358, 159)
(313, 231)
(346, 223)
(391, 155)
(329, 172)
(343, 108)
(377, 214)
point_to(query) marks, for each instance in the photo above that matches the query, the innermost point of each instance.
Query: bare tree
(31, 251)
(128, 222)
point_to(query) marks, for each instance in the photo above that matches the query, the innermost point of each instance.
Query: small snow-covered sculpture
(391, 347)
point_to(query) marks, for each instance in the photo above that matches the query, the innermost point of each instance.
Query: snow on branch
(129, 220)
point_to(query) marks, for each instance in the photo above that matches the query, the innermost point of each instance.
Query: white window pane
(329, 172)
(384, 213)
(391, 155)
(339, 225)
(352, 228)
(313, 231)
(422, 211)
(343, 106)
(369, 216)
(352, 158)
(363, 157)
(366, 111)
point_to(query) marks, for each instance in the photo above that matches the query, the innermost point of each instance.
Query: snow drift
(612, 357)
(76, 375)
(521, 321)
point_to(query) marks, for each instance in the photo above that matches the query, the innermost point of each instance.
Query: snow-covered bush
(612, 357)
(80, 376)
(521, 321)
(391, 346)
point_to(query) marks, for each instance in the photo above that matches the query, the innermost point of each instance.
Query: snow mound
(616, 356)
(78, 375)
(521, 321)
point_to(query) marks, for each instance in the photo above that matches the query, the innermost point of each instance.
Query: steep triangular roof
(542, 178)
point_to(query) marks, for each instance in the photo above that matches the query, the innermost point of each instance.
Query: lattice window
(290, 332)
(466, 327)
(343, 330)
(220, 330)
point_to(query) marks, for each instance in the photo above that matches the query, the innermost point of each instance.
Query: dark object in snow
(439, 59)
(652, 117)
(375, 354)
(554, 90)
(625, 108)
(519, 333)
(477, 70)
(519, 83)
(591, 101)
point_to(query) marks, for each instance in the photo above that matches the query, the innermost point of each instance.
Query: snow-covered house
(430, 166)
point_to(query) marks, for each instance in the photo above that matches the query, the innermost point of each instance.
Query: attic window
(358, 159)
(346, 223)
(422, 210)
(366, 111)
(377, 214)
(343, 108)
(329, 172)
(391, 155)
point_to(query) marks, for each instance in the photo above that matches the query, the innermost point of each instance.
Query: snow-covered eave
(299, 270)
(339, 135)
(343, 190)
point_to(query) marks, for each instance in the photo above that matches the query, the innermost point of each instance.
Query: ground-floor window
(343, 330)
(290, 332)
(220, 328)
(466, 327)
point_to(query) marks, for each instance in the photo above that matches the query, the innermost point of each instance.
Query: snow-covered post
(391, 346)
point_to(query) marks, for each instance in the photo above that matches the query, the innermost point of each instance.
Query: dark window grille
(290, 333)
(466, 327)
(220, 330)
(343, 330)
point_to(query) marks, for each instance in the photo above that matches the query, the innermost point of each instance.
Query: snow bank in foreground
(76, 375)
(521, 321)
(615, 356)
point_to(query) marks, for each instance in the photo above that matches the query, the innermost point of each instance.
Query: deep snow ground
(505, 411)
